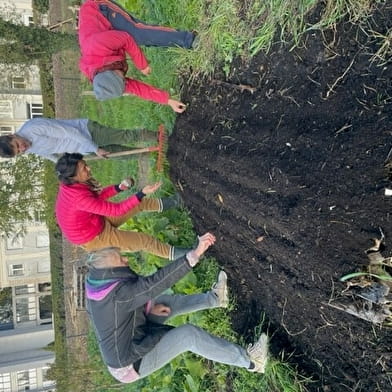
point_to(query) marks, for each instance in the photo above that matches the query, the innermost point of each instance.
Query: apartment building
(20, 98)
(25, 311)
(25, 289)
(20, 94)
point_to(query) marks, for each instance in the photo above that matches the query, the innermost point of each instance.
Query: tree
(21, 193)
(42, 6)
(24, 44)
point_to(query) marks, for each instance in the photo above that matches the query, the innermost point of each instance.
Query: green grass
(133, 112)
(231, 28)
(227, 29)
(223, 36)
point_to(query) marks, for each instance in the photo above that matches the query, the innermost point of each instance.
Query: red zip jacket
(80, 212)
(101, 45)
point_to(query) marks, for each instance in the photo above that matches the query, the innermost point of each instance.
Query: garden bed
(283, 161)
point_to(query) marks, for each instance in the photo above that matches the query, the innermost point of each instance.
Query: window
(4, 130)
(25, 289)
(26, 309)
(46, 382)
(42, 240)
(28, 20)
(27, 380)
(16, 270)
(44, 287)
(18, 82)
(5, 109)
(14, 243)
(39, 216)
(45, 307)
(34, 110)
(5, 382)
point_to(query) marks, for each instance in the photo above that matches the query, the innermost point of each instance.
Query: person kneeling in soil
(50, 138)
(86, 218)
(106, 33)
(129, 313)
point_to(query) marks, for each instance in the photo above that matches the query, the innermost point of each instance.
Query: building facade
(25, 311)
(25, 290)
(20, 93)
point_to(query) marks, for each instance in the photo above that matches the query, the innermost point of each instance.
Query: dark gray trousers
(144, 34)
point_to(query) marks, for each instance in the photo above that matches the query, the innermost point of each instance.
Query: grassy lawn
(227, 29)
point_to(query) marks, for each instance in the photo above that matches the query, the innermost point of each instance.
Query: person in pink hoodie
(107, 33)
(88, 219)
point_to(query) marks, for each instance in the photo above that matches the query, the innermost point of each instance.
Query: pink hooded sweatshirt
(101, 45)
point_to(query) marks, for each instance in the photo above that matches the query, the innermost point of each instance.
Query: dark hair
(66, 167)
(6, 150)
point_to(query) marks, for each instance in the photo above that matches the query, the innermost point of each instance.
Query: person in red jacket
(106, 34)
(88, 219)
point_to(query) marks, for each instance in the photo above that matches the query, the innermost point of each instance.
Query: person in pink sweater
(88, 219)
(107, 33)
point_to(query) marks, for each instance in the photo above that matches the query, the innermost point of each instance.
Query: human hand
(127, 183)
(146, 71)
(177, 106)
(205, 241)
(160, 310)
(148, 189)
(102, 153)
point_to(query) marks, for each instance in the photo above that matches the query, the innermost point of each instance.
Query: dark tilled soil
(291, 180)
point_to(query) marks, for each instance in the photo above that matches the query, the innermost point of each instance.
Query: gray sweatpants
(188, 337)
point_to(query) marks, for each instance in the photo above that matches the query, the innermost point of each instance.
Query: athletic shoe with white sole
(258, 354)
(220, 289)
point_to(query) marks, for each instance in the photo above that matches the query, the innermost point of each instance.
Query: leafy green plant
(41, 6)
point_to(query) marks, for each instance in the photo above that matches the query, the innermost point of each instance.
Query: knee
(189, 333)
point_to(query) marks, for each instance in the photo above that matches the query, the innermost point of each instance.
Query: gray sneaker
(196, 42)
(220, 289)
(258, 354)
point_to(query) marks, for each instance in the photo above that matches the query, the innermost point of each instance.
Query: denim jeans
(188, 337)
(144, 34)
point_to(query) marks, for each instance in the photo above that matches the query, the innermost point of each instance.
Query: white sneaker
(220, 289)
(258, 354)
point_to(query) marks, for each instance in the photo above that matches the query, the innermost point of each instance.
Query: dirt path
(291, 180)
(67, 79)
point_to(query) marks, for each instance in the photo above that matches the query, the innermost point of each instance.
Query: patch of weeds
(279, 375)
(273, 16)
(222, 37)
(335, 10)
(384, 51)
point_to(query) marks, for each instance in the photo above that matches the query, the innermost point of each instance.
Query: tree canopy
(21, 192)
(24, 44)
